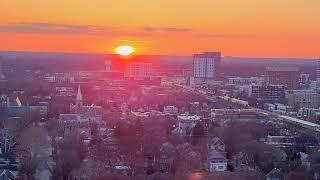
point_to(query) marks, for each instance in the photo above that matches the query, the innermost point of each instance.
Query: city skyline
(289, 28)
(167, 89)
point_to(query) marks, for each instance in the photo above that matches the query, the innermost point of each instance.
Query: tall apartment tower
(205, 65)
(318, 75)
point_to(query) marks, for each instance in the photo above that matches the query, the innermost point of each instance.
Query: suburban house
(8, 166)
(216, 144)
(217, 156)
(305, 160)
(6, 174)
(186, 122)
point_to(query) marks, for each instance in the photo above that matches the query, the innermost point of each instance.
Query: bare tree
(7, 139)
(69, 156)
(32, 145)
(187, 159)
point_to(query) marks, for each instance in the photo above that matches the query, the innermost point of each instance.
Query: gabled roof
(6, 175)
(304, 156)
(215, 140)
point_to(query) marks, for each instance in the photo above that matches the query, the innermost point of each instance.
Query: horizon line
(171, 55)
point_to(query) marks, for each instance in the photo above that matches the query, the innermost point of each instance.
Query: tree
(139, 129)
(103, 155)
(33, 144)
(186, 159)
(69, 157)
(3, 115)
(129, 147)
(28, 167)
(259, 155)
(197, 134)
(9, 134)
(8, 139)
(293, 159)
(298, 176)
(130, 152)
(95, 134)
(121, 129)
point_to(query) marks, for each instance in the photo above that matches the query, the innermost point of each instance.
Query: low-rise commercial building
(303, 98)
(170, 110)
(245, 81)
(268, 93)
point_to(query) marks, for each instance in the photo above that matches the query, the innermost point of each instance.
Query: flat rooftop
(282, 69)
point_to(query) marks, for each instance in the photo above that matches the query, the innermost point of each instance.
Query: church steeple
(79, 98)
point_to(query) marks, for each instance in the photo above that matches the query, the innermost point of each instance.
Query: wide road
(282, 118)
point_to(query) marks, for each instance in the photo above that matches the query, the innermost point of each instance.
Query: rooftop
(188, 117)
(282, 69)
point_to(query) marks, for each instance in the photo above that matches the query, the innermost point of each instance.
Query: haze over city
(160, 90)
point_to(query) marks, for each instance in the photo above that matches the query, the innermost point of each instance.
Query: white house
(217, 156)
(216, 144)
(187, 122)
(217, 161)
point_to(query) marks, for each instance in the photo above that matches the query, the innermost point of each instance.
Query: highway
(279, 117)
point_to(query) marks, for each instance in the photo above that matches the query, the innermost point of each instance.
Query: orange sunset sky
(257, 28)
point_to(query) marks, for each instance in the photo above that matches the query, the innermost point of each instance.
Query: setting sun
(124, 50)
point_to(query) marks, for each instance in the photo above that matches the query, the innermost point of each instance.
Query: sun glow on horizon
(124, 50)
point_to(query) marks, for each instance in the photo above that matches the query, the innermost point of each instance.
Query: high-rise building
(287, 76)
(318, 75)
(205, 65)
(138, 71)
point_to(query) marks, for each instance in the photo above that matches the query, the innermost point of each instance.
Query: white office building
(186, 122)
(246, 81)
(205, 64)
